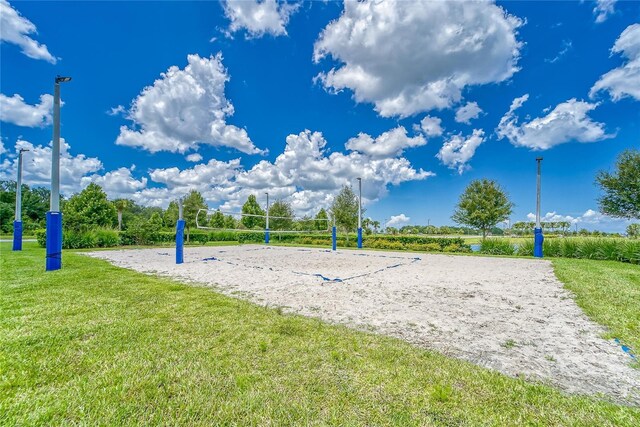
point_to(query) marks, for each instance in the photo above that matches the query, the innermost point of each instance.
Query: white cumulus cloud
(430, 126)
(16, 29)
(15, 110)
(306, 174)
(625, 80)
(194, 157)
(411, 56)
(259, 17)
(458, 150)
(389, 144)
(37, 166)
(185, 108)
(118, 183)
(604, 9)
(468, 112)
(398, 220)
(568, 121)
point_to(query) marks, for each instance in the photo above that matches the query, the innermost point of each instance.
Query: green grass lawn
(609, 293)
(93, 344)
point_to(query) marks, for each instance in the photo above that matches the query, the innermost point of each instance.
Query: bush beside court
(624, 250)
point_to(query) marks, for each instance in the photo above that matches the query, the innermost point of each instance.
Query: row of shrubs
(604, 249)
(109, 238)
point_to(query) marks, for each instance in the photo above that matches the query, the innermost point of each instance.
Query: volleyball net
(219, 220)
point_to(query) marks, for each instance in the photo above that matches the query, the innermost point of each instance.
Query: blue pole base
(360, 238)
(54, 241)
(180, 241)
(538, 239)
(17, 235)
(266, 236)
(334, 238)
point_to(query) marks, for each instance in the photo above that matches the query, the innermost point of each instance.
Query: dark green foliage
(621, 189)
(216, 220)
(482, 205)
(280, 216)
(191, 205)
(252, 207)
(75, 239)
(345, 209)
(89, 209)
(322, 222)
(35, 204)
(170, 216)
(633, 231)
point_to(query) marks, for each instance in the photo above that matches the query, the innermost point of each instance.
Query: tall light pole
(359, 213)
(17, 223)
(538, 237)
(266, 231)
(54, 216)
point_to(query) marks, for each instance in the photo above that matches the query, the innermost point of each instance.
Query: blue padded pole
(334, 238)
(17, 235)
(360, 238)
(54, 241)
(537, 242)
(266, 236)
(180, 241)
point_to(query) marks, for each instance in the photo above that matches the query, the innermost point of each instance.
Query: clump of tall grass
(589, 248)
(497, 247)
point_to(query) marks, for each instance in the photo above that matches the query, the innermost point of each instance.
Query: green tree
(345, 209)
(251, 207)
(230, 222)
(89, 209)
(216, 220)
(170, 216)
(376, 226)
(482, 205)
(190, 207)
(322, 220)
(280, 216)
(621, 189)
(121, 205)
(633, 231)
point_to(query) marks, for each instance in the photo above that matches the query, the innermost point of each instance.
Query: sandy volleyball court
(512, 315)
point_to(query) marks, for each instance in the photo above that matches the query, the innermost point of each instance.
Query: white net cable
(277, 224)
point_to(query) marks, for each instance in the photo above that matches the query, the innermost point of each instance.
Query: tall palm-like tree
(121, 205)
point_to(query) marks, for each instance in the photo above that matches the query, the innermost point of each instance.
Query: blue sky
(297, 99)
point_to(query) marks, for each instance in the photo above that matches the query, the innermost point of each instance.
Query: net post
(54, 241)
(360, 238)
(180, 241)
(17, 235)
(266, 236)
(180, 235)
(334, 238)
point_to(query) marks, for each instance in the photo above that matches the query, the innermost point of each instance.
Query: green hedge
(612, 249)
(109, 238)
(98, 238)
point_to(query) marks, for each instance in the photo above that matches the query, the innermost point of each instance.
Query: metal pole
(55, 151)
(17, 223)
(359, 213)
(266, 231)
(54, 216)
(538, 236)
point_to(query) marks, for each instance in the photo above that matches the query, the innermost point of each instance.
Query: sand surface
(511, 315)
